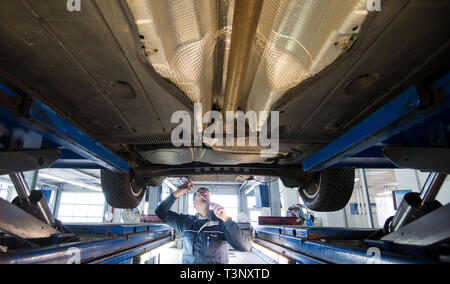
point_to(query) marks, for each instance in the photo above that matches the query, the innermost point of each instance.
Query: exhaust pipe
(245, 22)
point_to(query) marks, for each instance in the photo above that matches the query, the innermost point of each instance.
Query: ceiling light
(83, 185)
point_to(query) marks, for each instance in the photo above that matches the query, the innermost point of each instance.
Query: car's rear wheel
(120, 190)
(329, 190)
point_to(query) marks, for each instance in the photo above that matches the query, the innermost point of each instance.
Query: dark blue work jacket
(205, 240)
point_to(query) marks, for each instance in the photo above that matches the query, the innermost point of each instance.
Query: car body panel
(88, 67)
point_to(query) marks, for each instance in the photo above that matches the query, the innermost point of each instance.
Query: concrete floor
(174, 256)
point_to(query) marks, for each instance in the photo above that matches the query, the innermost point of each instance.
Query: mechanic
(207, 234)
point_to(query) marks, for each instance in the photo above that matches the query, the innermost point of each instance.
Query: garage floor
(174, 256)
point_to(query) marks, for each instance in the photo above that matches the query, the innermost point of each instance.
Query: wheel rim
(312, 189)
(135, 189)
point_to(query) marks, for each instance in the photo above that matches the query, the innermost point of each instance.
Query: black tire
(329, 190)
(120, 190)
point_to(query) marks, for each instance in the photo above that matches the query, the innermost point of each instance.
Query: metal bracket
(424, 159)
(32, 202)
(415, 205)
(23, 161)
(294, 172)
(428, 230)
(19, 223)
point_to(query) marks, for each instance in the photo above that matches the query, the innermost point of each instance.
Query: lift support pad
(99, 243)
(421, 241)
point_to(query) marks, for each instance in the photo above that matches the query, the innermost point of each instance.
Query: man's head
(201, 198)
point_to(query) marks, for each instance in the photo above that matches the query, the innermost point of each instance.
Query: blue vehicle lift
(410, 131)
(417, 118)
(97, 244)
(36, 137)
(418, 233)
(31, 125)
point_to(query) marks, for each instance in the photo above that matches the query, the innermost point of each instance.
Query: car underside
(119, 70)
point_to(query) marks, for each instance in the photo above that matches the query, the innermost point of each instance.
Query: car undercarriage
(119, 70)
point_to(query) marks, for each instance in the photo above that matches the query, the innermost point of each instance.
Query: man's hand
(219, 211)
(184, 188)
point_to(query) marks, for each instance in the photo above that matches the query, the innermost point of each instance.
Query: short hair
(201, 188)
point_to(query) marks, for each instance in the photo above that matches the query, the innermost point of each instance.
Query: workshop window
(165, 192)
(86, 207)
(254, 215)
(356, 211)
(381, 184)
(4, 190)
(386, 188)
(251, 202)
(146, 206)
(444, 193)
(228, 201)
(3, 193)
(253, 211)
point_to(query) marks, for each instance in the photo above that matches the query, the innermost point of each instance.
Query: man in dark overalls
(207, 234)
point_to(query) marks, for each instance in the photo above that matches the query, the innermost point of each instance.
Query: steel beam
(23, 161)
(92, 248)
(129, 254)
(332, 252)
(207, 169)
(363, 177)
(115, 229)
(419, 158)
(32, 201)
(34, 115)
(22, 189)
(291, 254)
(311, 233)
(401, 113)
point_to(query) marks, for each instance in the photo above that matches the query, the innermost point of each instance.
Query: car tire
(329, 190)
(120, 190)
